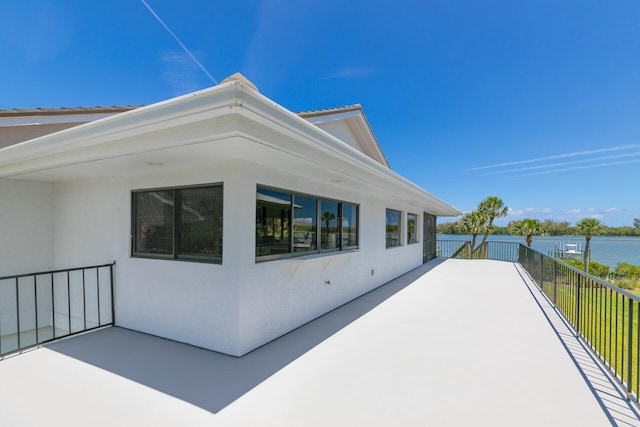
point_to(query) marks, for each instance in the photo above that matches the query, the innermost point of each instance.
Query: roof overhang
(357, 123)
(230, 121)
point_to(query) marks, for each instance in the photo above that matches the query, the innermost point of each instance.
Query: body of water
(604, 249)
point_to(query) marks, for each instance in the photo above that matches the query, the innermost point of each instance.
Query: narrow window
(329, 230)
(305, 223)
(393, 228)
(273, 213)
(349, 226)
(412, 228)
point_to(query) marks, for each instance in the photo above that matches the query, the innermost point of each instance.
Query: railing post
(578, 304)
(53, 308)
(35, 303)
(69, 299)
(113, 300)
(98, 294)
(18, 312)
(629, 348)
(84, 300)
(541, 272)
(555, 283)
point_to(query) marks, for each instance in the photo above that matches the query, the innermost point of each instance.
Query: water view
(604, 249)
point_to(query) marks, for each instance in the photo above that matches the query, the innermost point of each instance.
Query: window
(305, 224)
(412, 228)
(192, 232)
(329, 228)
(349, 226)
(273, 214)
(318, 225)
(393, 228)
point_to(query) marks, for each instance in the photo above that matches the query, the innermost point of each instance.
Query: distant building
(231, 219)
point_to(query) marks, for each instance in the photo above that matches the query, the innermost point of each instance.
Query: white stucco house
(231, 219)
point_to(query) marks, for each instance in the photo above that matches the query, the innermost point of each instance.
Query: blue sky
(537, 102)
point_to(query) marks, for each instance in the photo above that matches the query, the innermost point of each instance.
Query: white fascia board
(205, 104)
(323, 118)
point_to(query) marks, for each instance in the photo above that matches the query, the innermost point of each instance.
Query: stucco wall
(241, 304)
(26, 246)
(25, 227)
(278, 296)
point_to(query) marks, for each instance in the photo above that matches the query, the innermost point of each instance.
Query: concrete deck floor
(453, 343)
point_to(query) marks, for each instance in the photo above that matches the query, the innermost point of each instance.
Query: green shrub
(627, 283)
(595, 268)
(575, 263)
(626, 270)
(599, 270)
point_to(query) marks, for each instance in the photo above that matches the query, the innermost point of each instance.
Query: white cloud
(180, 72)
(351, 73)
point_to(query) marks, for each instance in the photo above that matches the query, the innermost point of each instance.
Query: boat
(568, 251)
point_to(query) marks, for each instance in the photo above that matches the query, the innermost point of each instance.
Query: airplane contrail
(557, 156)
(188, 52)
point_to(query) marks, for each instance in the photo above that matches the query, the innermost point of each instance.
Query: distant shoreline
(608, 250)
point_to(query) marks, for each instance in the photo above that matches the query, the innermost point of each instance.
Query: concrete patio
(452, 343)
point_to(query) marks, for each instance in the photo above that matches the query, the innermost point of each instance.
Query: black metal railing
(496, 250)
(603, 316)
(40, 307)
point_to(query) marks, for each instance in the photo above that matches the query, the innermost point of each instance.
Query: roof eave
(232, 98)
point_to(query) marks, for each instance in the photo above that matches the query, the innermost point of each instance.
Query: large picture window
(178, 223)
(317, 225)
(393, 228)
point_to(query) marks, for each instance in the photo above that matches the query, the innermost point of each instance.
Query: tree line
(551, 228)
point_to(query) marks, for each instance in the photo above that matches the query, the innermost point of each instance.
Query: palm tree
(589, 227)
(528, 227)
(473, 223)
(491, 208)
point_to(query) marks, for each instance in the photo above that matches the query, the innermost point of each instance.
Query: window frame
(176, 218)
(399, 232)
(319, 251)
(341, 224)
(416, 229)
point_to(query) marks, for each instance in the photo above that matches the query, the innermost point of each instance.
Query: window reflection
(273, 213)
(305, 213)
(329, 231)
(316, 225)
(393, 228)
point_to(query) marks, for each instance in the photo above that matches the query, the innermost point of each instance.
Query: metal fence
(502, 251)
(604, 316)
(39, 307)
